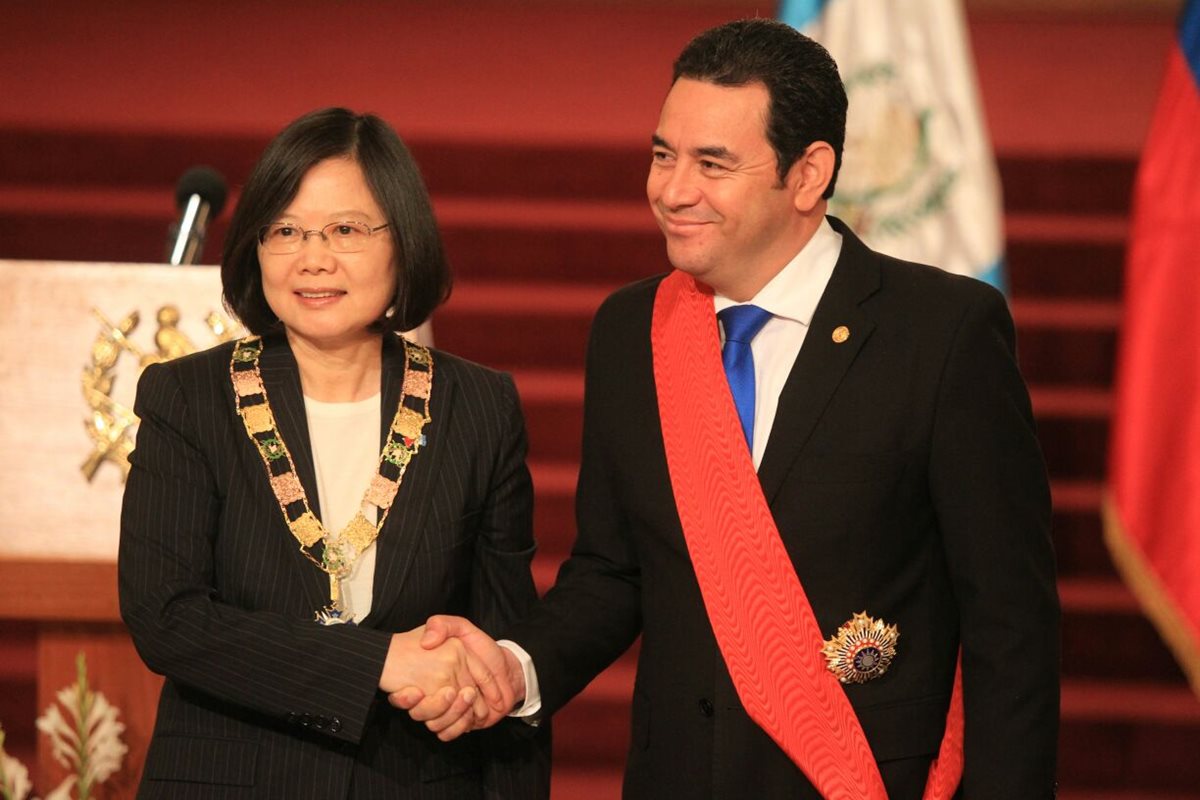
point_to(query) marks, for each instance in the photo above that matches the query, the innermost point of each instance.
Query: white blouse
(345, 445)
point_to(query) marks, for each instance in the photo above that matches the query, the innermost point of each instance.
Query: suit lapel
(405, 530)
(822, 361)
(281, 378)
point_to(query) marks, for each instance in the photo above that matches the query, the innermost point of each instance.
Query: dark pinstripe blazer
(259, 701)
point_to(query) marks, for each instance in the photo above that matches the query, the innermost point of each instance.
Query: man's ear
(809, 176)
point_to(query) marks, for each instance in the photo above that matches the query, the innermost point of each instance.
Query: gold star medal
(861, 650)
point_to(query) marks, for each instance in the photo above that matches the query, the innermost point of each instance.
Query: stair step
(570, 782)
(1105, 637)
(1121, 737)
(569, 253)
(555, 300)
(1079, 544)
(593, 729)
(544, 216)
(1074, 447)
(1097, 595)
(550, 241)
(1062, 268)
(1074, 184)
(1098, 227)
(94, 238)
(47, 200)
(1077, 495)
(1070, 402)
(546, 324)
(1061, 353)
(553, 516)
(1098, 315)
(1130, 702)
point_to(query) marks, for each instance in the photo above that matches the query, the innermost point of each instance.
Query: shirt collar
(795, 291)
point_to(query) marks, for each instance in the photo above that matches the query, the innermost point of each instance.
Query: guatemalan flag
(1152, 511)
(918, 179)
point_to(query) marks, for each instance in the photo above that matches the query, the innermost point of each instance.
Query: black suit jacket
(259, 700)
(906, 481)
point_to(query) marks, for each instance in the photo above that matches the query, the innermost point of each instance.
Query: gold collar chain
(405, 438)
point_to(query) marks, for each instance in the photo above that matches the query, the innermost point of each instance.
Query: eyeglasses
(282, 238)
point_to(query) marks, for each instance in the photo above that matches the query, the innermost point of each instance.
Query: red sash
(760, 615)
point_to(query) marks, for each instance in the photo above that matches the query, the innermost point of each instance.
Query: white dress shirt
(791, 297)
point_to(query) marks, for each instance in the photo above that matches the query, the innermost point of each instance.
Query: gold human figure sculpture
(111, 424)
(168, 339)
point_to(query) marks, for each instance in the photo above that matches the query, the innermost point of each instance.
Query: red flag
(1152, 511)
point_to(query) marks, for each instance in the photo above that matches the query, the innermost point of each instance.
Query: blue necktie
(742, 324)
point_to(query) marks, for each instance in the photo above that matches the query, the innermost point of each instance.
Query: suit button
(293, 718)
(305, 720)
(706, 707)
(335, 725)
(320, 722)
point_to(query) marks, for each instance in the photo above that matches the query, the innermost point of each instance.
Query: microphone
(200, 196)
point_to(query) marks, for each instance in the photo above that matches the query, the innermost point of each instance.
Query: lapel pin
(840, 334)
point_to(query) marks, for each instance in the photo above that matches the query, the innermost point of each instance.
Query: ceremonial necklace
(405, 438)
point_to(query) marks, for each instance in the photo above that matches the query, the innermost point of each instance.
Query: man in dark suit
(898, 478)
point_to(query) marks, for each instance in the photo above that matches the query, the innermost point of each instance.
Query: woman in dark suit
(300, 496)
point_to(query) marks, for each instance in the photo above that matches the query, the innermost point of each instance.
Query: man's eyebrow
(715, 151)
(658, 141)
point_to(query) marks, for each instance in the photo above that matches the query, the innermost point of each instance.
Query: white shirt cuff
(533, 695)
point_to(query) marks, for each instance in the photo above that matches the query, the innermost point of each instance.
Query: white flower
(64, 741)
(63, 790)
(89, 744)
(106, 750)
(14, 778)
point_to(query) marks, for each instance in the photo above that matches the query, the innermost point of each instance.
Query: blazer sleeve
(593, 612)
(172, 512)
(991, 496)
(516, 755)
(502, 587)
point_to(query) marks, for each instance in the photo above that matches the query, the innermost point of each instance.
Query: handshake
(452, 676)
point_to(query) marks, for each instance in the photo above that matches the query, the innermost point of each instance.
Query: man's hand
(450, 715)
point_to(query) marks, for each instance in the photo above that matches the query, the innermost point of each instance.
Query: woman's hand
(448, 714)
(446, 674)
